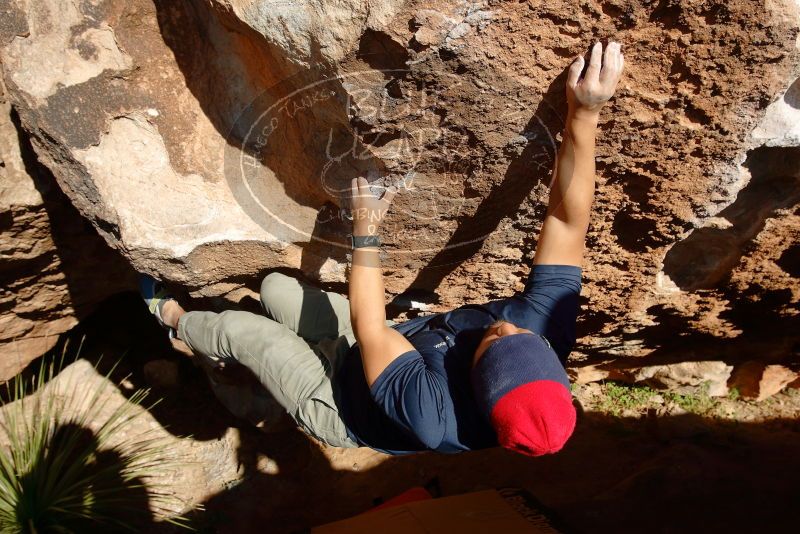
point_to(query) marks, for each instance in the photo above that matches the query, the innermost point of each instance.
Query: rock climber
(471, 378)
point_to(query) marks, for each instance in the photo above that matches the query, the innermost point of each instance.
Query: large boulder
(212, 140)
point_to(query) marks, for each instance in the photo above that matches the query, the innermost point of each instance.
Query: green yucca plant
(63, 466)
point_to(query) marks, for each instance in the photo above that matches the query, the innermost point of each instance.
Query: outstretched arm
(380, 345)
(563, 234)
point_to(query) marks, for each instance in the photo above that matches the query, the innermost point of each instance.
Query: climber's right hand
(368, 210)
(587, 94)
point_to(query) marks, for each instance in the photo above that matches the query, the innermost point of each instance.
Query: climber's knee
(231, 324)
(271, 287)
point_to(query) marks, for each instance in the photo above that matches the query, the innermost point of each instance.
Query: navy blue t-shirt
(423, 400)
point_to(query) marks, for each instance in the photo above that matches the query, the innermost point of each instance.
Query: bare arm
(380, 344)
(563, 234)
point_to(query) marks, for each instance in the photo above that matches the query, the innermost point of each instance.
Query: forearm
(572, 190)
(379, 343)
(366, 292)
(563, 233)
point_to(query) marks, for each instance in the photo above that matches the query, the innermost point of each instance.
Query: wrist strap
(362, 241)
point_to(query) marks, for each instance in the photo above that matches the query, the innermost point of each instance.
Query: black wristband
(362, 241)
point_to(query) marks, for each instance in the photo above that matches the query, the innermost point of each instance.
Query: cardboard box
(473, 513)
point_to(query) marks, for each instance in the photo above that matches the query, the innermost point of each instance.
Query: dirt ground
(640, 460)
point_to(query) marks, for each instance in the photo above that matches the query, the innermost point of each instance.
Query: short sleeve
(413, 397)
(553, 292)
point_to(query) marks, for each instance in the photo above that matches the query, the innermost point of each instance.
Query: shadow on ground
(673, 474)
(668, 474)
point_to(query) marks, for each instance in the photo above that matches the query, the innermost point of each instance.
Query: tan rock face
(54, 268)
(210, 141)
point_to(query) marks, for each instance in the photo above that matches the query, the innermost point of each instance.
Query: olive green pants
(292, 350)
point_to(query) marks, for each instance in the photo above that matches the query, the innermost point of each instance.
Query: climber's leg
(312, 313)
(294, 373)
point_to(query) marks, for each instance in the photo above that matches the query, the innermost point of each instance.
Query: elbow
(365, 329)
(567, 223)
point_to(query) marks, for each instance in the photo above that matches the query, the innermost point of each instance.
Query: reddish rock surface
(756, 381)
(211, 141)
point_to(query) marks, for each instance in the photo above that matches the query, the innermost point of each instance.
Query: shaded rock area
(54, 267)
(210, 141)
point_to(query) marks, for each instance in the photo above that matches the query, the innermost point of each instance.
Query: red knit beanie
(535, 418)
(523, 389)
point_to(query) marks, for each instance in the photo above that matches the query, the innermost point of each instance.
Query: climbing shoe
(155, 294)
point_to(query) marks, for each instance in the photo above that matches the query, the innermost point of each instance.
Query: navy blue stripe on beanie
(512, 361)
